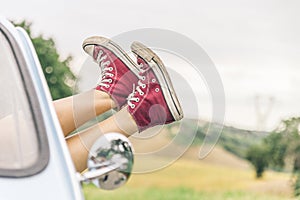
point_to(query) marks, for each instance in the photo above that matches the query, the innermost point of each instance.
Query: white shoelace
(105, 70)
(131, 97)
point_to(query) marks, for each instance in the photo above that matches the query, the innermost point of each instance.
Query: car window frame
(35, 111)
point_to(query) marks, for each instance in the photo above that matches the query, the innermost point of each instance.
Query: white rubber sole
(163, 77)
(89, 43)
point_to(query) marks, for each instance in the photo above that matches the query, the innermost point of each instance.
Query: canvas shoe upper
(154, 101)
(118, 71)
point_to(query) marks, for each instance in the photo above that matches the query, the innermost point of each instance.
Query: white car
(34, 159)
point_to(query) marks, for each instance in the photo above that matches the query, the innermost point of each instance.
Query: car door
(34, 160)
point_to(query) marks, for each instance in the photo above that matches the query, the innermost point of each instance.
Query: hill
(233, 140)
(229, 150)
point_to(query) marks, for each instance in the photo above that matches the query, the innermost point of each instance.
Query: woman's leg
(154, 101)
(74, 111)
(118, 74)
(79, 144)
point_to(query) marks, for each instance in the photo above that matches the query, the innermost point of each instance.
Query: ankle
(125, 122)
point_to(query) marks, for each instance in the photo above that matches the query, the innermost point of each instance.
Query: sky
(254, 45)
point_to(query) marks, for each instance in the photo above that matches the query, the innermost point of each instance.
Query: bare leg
(74, 111)
(80, 144)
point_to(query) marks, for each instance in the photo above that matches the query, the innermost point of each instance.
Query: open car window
(20, 139)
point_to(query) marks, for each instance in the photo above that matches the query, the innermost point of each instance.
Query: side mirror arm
(94, 174)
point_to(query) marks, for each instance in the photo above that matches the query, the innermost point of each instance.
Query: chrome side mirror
(110, 162)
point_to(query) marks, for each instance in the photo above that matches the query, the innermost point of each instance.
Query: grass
(187, 179)
(179, 193)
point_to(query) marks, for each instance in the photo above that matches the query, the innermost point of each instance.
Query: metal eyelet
(107, 86)
(144, 86)
(143, 78)
(142, 93)
(153, 80)
(156, 90)
(137, 100)
(110, 68)
(132, 106)
(110, 80)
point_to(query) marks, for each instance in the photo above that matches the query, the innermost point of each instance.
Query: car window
(18, 138)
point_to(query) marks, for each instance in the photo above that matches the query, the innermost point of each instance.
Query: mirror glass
(111, 157)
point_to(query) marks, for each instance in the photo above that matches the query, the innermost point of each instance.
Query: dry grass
(202, 176)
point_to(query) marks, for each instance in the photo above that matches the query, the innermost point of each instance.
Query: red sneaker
(118, 71)
(154, 101)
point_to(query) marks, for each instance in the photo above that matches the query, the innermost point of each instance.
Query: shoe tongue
(96, 52)
(143, 63)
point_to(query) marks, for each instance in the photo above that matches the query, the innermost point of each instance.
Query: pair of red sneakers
(145, 87)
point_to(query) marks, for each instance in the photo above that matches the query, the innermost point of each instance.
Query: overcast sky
(254, 44)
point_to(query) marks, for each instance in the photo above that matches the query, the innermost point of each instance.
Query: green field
(194, 179)
(175, 194)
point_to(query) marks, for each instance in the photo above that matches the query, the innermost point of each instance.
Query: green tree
(291, 131)
(285, 142)
(276, 145)
(258, 157)
(59, 77)
(281, 145)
